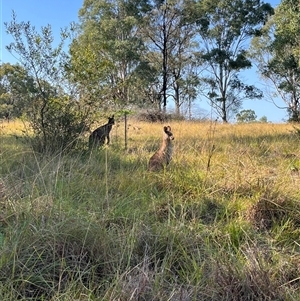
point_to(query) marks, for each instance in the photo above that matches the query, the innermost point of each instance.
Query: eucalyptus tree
(287, 20)
(276, 53)
(246, 116)
(225, 29)
(170, 40)
(182, 60)
(106, 56)
(16, 90)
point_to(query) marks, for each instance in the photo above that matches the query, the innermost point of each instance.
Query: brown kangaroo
(97, 138)
(163, 156)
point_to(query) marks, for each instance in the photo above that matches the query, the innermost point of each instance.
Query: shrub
(57, 125)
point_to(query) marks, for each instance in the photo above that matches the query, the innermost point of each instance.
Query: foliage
(263, 119)
(287, 26)
(106, 56)
(229, 24)
(276, 55)
(129, 60)
(246, 116)
(284, 66)
(55, 118)
(63, 123)
(170, 37)
(16, 86)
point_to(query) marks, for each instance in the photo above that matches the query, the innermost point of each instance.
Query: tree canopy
(276, 53)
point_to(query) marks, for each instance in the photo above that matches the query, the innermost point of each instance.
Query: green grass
(220, 223)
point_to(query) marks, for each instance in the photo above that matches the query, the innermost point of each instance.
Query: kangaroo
(163, 156)
(97, 138)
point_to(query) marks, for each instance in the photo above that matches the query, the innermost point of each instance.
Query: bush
(56, 125)
(157, 116)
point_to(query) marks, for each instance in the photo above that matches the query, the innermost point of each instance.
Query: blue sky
(60, 13)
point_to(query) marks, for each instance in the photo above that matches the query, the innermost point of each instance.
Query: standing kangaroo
(97, 138)
(163, 156)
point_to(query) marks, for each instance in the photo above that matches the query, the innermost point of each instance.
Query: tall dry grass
(220, 223)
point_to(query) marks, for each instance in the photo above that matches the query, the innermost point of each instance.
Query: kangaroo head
(111, 120)
(167, 131)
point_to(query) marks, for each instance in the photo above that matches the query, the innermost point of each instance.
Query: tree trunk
(125, 130)
(224, 113)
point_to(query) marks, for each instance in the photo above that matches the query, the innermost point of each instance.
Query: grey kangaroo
(163, 156)
(97, 138)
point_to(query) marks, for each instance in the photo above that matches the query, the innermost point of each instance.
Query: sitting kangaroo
(97, 138)
(163, 156)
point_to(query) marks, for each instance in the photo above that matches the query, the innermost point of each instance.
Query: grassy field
(222, 222)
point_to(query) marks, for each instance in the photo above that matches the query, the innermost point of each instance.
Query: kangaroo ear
(165, 128)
